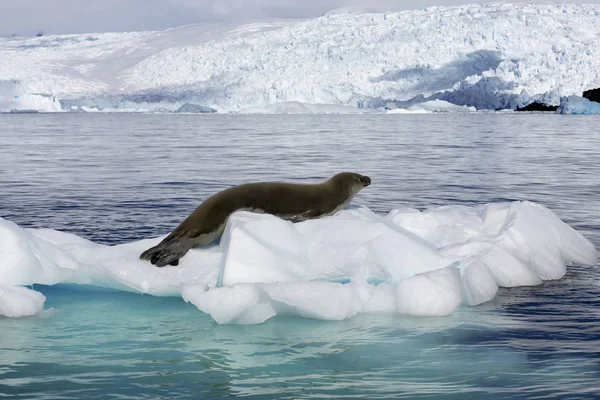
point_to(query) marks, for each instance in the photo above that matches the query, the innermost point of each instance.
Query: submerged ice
(408, 262)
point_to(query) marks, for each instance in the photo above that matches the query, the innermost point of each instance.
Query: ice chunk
(478, 282)
(507, 269)
(433, 106)
(250, 255)
(401, 252)
(536, 235)
(119, 267)
(578, 105)
(47, 256)
(432, 293)
(20, 97)
(329, 248)
(17, 302)
(383, 300)
(440, 226)
(28, 259)
(409, 262)
(436, 293)
(238, 304)
(308, 299)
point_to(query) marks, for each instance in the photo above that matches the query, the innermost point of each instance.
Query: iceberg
(434, 106)
(488, 56)
(422, 263)
(578, 105)
(17, 97)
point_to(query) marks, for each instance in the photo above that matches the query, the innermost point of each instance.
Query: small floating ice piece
(18, 301)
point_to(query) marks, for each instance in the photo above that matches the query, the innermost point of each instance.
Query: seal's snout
(366, 181)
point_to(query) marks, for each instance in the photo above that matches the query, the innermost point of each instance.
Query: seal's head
(351, 182)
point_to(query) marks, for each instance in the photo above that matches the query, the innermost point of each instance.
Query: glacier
(492, 56)
(410, 262)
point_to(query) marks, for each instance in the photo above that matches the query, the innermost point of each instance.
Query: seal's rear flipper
(153, 251)
(169, 251)
(169, 256)
(148, 254)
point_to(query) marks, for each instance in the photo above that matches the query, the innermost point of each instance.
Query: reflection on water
(118, 178)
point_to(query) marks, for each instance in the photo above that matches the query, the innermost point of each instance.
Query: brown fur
(293, 202)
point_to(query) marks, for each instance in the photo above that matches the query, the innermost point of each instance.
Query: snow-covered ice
(490, 56)
(408, 262)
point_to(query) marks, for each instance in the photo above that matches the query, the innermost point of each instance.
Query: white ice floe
(408, 262)
(490, 56)
(434, 106)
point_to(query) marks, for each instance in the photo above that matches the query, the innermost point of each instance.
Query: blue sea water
(122, 177)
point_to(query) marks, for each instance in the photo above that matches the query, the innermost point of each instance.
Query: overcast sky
(28, 17)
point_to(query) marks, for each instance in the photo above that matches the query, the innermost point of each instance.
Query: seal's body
(292, 202)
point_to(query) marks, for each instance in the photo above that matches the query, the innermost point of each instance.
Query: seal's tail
(168, 252)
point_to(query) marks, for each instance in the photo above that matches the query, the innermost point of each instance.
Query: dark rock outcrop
(535, 106)
(592, 95)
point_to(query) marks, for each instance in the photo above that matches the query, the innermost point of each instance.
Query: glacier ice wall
(408, 262)
(487, 56)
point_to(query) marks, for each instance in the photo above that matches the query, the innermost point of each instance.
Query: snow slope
(487, 56)
(408, 262)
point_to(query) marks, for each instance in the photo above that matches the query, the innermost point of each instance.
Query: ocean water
(114, 178)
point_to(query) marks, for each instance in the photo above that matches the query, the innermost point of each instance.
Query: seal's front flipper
(310, 214)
